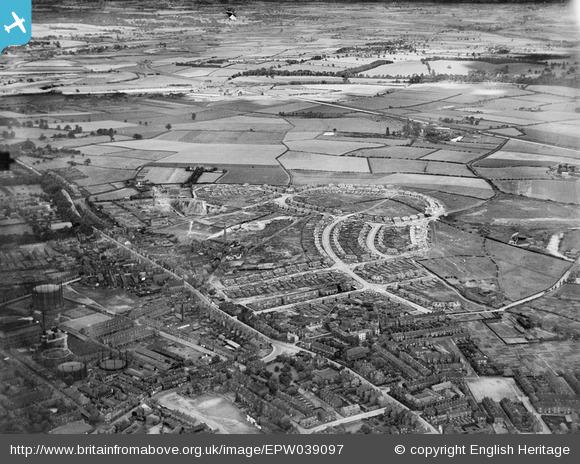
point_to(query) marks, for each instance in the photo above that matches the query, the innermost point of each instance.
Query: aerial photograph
(291, 217)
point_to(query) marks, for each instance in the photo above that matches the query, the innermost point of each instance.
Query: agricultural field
(322, 173)
(294, 160)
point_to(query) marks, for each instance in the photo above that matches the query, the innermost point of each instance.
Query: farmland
(324, 207)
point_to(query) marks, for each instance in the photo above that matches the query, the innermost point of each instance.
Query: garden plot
(320, 162)
(328, 147)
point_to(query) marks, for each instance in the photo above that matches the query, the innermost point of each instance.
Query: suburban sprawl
(291, 218)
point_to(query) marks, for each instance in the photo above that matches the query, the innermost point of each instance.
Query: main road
(278, 347)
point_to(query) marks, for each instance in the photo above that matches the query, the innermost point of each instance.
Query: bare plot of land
(495, 388)
(218, 412)
(85, 322)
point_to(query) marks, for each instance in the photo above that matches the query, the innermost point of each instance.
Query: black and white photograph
(290, 217)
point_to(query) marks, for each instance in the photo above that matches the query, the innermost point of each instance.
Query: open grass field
(257, 175)
(234, 137)
(523, 273)
(512, 172)
(392, 152)
(237, 123)
(318, 162)
(463, 267)
(523, 146)
(426, 179)
(559, 134)
(564, 191)
(347, 124)
(526, 212)
(382, 165)
(162, 175)
(534, 157)
(208, 153)
(327, 147)
(450, 241)
(451, 156)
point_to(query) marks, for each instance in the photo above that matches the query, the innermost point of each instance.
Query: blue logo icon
(15, 22)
